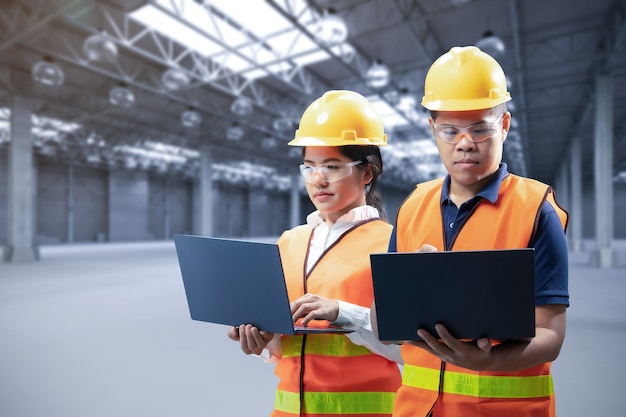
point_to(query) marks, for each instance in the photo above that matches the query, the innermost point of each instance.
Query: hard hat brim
(463, 105)
(335, 141)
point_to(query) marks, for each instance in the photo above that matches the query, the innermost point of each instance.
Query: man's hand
(474, 355)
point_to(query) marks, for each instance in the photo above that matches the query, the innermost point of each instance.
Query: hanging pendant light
(190, 118)
(47, 72)
(130, 162)
(175, 79)
(392, 97)
(234, 133)
(331, 29)
(491, 44)
(121, 96)
(241, 107)
(269, 142)
(295, 152)
(377, 76)
(281, 124)
(91, 139)
(407, 102)
(99, 47)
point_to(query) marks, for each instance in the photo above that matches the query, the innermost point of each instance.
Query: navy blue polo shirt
(551, 257)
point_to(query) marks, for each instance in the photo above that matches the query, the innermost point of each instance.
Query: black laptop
(236, 282)
(473, 293)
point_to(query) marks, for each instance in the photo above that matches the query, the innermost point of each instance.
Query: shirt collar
(355, 215)
(490, 192)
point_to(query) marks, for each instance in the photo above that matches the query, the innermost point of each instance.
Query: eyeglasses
(476, 133)
(329, 173)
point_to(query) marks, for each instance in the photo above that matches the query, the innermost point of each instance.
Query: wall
(180, 207)
(131, 206)
(78, 195)
(52, 203)
(128, 206)
(619, 204)
(157, 204)
(271, 214)
(121, 206)
(230, 208)
(243, 211)
(170, 207)
(90, 204)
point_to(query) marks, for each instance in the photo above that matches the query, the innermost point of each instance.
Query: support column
(167, 217)
(70, 203)
(575, 228)
(294, 201)
(603, 170)
(206, 190)
(21, 238)
(562, 186)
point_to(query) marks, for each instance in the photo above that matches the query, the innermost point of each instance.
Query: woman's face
(334, 198)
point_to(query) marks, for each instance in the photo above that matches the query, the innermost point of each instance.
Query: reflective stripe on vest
(336, 402)
(484, 386)
(327, 345)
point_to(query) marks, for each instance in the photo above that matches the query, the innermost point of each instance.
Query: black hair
(370, 156)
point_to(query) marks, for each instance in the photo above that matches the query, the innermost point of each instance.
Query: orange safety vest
(448, 390)
(328, 375)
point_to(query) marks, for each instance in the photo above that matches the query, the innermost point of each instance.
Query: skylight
(259, 39)
(417, 159)
(391, 118)
(418, 153)
(264, 41)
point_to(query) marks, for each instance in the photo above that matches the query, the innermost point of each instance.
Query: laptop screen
(473, 293)
(234, 282)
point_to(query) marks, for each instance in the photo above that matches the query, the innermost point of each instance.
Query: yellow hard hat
(465, 78)
(338, 118)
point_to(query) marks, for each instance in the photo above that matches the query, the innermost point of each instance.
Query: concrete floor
(103, 330)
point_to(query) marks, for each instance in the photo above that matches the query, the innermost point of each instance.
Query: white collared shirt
(350, 315)
(324, 236)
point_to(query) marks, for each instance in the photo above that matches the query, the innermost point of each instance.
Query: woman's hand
(251, 339)
(313, 307)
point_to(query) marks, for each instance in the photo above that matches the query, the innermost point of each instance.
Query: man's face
(470, 164)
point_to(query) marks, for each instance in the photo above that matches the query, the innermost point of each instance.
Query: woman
(327, 269)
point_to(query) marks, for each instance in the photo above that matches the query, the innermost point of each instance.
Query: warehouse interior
(124, 122)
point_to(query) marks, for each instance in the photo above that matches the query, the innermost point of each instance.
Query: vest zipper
(442, 369)
(301, 411)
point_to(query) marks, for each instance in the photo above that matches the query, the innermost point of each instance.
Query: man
(480, 205)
